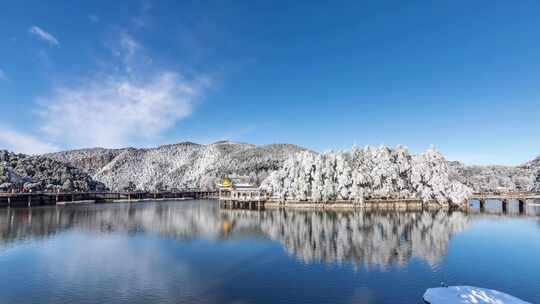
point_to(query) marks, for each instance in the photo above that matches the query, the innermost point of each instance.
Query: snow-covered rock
(468, 295)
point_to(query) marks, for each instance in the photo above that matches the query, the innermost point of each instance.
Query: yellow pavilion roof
(226, 182)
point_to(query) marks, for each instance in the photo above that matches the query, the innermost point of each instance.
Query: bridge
(504, 198)
(62, 198)
(236, 197)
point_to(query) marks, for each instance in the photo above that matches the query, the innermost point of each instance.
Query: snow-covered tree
(361, 174)
(344, 176)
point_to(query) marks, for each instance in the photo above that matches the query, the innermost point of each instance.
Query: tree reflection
(368, 238)
(181, 220)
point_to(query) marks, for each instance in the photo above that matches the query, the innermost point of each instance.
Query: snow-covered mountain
(182, 165)
(193, 165)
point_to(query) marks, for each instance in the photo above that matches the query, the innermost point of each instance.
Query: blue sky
(461, 75)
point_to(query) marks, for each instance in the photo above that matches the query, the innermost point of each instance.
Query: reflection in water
(494, 206)
(369, 238)
(364, 237)
(184, 221)
(195, 252)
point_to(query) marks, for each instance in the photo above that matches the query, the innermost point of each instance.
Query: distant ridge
(180, 165)
(192, 164)
(496, 178)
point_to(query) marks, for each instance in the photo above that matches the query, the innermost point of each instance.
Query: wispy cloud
(129, 52)
(3, 76)
(43, 35)
(116, 112)
(94, 18)
(132, 107)
(142, 19)
(129, 56)
(23, 143)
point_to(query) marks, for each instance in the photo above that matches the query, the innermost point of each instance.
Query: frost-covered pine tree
(361, 174)
(329, 176)
(344, 176)
(317, 187)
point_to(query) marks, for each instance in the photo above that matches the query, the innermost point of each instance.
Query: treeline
(364, 173)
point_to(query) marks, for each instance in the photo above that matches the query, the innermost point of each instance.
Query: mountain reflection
(366, 238)
(181, 220)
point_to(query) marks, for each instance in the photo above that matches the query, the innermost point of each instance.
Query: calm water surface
(195, 252)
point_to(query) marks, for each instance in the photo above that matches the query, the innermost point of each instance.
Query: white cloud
(23, 143)
(43, 35)
(134, 105)
(118, 111)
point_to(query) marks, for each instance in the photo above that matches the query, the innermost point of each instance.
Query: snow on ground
(468, 295)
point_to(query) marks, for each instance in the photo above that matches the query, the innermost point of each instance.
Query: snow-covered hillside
(534, 166)
(183, 165)
(386, 170)
(361, 174)
(39, 173)
(494, 178)
(88, 160)
(525, 177)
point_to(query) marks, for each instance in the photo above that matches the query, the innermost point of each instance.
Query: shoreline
(137, 200)
(347, 206)
(29, 199)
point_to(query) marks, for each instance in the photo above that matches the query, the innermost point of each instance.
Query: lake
(197, 252)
